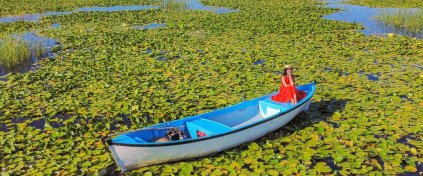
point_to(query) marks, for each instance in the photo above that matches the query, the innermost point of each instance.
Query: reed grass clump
(17, 50)
(411, 21)
(387, 3)
(13, 51)
(174, 4)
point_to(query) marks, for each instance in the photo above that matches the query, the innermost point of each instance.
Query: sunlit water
(366, 16)
(149, 26)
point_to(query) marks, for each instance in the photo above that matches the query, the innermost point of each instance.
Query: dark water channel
(188, 5)
(366, 16)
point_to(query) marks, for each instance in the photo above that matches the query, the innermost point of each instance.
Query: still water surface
(366, 16)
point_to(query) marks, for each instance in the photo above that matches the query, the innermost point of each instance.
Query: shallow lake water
(366, 16)
(189, 5)
(149, 26)
(55, 25)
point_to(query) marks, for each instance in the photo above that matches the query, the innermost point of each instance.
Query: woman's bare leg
(295, 99)
(292, 101)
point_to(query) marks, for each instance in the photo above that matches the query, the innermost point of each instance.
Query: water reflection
(116, 8)
(150, 26)
(185, 4)
(29, 17)
(366, 16)
(55, 25)
(195, 5)
(259, 62)
(372, 77)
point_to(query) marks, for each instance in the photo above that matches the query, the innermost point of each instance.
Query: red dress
(287, 93)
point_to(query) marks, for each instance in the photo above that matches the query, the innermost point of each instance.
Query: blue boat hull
(223, 129)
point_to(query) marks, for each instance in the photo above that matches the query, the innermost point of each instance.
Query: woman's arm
(285, 84)
(291, 80)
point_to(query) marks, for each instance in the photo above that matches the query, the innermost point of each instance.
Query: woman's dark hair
(285, 72)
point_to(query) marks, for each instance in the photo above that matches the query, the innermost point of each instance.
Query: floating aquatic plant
(106, 79)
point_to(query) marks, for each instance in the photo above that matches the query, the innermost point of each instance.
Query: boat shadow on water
(318, 111)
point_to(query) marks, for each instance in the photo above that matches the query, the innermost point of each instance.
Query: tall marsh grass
(387, 3)
(16, 50)
(174, 4)
(411, 21)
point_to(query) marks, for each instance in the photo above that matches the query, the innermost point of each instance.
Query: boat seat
(206, 126)
(268, 107)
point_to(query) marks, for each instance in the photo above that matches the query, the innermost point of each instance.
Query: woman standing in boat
(288, 92)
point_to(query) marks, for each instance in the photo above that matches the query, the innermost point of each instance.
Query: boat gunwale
(180, 142)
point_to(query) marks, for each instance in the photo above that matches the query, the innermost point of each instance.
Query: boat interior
(211, 123)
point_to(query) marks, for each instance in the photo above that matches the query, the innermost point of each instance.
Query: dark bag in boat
(175, 134)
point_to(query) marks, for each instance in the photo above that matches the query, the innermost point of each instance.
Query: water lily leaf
(413, 151)
(48, 171)
(254, 146)
(272, 172)
(338, 159)
(186, 169)
(148, 173)
(86, 164)
(322, 167)
(320, 129)
(410, 168)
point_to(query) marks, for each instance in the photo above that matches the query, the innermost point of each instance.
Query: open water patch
(366, 16)
(343, 74)
(259, 62)
(188, 5)
(328, 69)
(405, 140)
(405, 97)
(328, 160)
(334, 124)
(149, 26)
(55, 25)
(39, 123)
(372, 77)
(4, 128)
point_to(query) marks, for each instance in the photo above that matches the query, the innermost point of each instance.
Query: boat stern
(119, 162)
